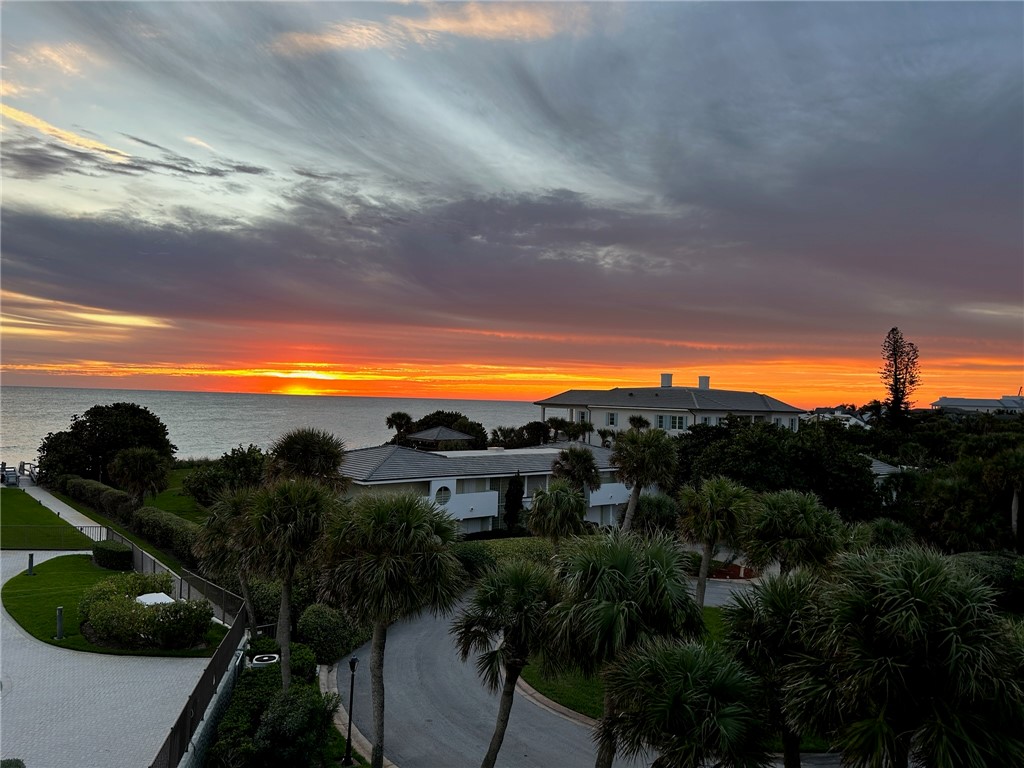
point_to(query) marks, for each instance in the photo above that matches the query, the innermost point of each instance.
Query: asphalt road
(438, 714)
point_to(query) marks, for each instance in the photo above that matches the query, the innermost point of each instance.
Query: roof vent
(703, 382)
(666, 379)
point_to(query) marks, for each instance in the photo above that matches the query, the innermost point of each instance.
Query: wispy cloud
(68, 58)
(199, 143)
(484, 21)
(67, 137)
(8, 88)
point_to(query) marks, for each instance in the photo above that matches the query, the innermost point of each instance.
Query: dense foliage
(112, 555)
(92, 441)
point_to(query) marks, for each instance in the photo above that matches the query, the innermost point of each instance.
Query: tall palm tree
(389, 556)
(644, 458)
(308, 452)
(766, 630)
(401, 422)
(691, 703)
(288, 520)
(636, 421)
(793, 529)
(504, 623)
(619, 590)
(557, 512)
(140, 471)
(911, 661)
(712, 514)
(225, 547)
(577, 465)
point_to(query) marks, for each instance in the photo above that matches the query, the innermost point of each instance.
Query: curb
(553, 707)
(360, 744)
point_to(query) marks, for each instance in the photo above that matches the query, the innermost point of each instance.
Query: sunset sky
(505, 201)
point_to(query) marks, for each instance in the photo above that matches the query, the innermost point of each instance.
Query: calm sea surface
(207, 424)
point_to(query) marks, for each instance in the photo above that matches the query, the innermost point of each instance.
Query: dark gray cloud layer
(708, 172)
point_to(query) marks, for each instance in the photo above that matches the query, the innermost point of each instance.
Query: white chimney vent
(666, 379)
(703, 382)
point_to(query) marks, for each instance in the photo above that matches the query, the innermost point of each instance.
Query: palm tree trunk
(634, 498)
(380, 638)
(606, 746)
(284, 633)
(705, 567)
(508, 690)
(250, 610)
(790, 748)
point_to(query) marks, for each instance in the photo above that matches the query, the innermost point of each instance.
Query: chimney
(703, 382)
(666, 379)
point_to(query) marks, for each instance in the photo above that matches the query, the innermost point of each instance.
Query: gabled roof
(439, 434)
(1007, 402)
(670, 399)
(394, 463)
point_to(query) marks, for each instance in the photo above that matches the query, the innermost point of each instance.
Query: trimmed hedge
(123, 585)
(87, 491)
(117, 504)
(121, 621)
(475, 557)
(112, 555)
(532, 548)
(330, 633)
(167, 531)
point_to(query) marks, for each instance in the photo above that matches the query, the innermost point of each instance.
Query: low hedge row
(118, 620)
(112, 555)
(163, 529)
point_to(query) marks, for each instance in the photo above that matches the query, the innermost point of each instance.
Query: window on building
(661, 421)
(776, 421)
(679, 422)
(792, 424)
(705, 420)
(612, 420)
(443, 495)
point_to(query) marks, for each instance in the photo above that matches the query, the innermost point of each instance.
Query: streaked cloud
(484, 21)
(32, 316)
(65, 58)
(198, 143)
(9, 88)
(67, 137)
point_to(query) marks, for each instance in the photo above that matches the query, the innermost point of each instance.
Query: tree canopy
(900, 373)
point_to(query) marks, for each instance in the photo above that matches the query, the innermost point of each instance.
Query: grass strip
(32, 601)
(27, 524)
(175, 501)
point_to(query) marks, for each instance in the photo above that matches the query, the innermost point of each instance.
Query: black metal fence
(224, 663)
(188, 586)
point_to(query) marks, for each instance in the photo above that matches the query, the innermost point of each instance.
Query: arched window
(443, 495)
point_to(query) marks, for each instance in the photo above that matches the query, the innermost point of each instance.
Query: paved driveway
(61, 707)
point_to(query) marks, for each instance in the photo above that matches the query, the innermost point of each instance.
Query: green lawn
(32, 601)
(164, 557)
(27, 524)
(175, 501)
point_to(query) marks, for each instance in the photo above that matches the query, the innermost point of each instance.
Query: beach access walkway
(60, 707)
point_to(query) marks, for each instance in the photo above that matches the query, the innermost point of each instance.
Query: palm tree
(225, 547)
(558, 424)
(911, 661)
(577, 465)
(606, 436)
(638, 422)
(644, 458)
(308, 452)
(691, 703)
(557, 512)
(140, 471)
(288, 520)
(765, 630)
(504, 623)
(714, 513)
(619, 590)
(387, 557)
(793, 529)
(401, 422)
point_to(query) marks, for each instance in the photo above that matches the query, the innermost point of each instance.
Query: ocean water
(207, 424)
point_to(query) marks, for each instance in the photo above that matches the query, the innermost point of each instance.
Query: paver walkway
(61, 707)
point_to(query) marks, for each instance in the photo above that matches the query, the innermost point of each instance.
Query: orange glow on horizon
(805, 383)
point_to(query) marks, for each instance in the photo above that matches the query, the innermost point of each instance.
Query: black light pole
(351, 690)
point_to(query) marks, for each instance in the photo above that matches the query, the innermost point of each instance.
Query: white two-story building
(471, 485)
(673, 409)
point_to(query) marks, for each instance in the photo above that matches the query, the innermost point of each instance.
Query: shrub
(121, 621)
(475, 557)
(123, 584)
(117, 504)
(167, 531)
(11, 762)
(87, 491)
(259, 646)
(303, 663)
(266, 600)
(997, 569)
(330, 633)
(293, 728)
(532, 548)
(252, 695)
(204, 483)
(112, 555)
(60, 483)
(181, 624)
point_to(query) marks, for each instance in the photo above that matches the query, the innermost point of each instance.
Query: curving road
(438, 713)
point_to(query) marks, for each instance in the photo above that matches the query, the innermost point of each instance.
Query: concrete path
(61, 707)
(65, 512)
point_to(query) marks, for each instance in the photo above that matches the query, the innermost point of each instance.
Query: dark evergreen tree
(900, 374)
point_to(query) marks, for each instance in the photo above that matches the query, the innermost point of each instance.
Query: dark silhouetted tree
(900, 374)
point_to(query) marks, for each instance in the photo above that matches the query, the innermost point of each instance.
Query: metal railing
(223, 666)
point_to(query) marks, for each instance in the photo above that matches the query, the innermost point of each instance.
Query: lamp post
(351, 690)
